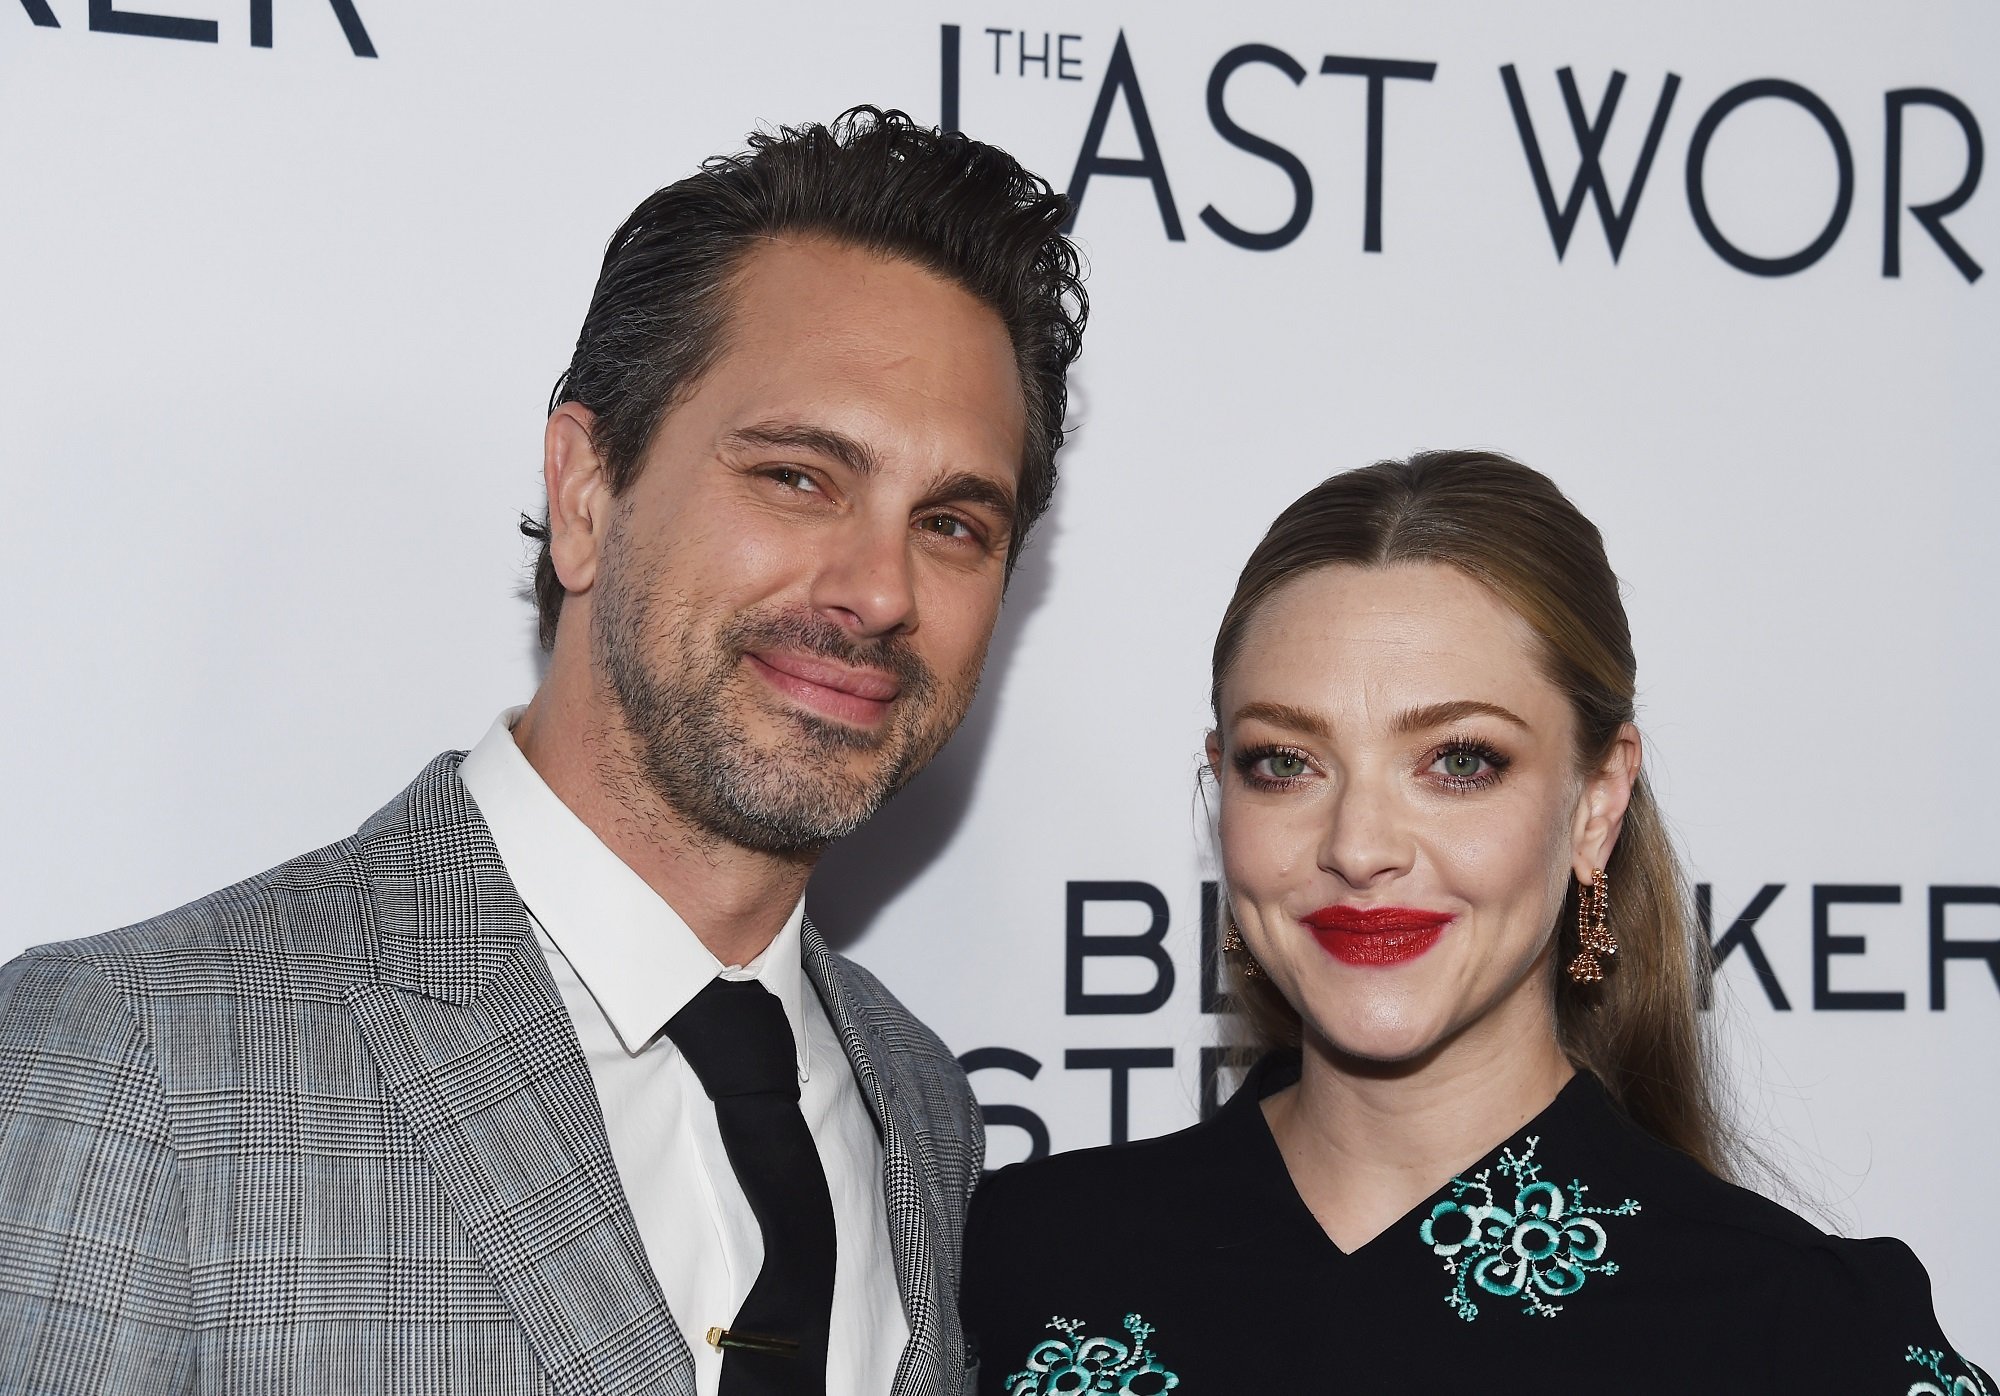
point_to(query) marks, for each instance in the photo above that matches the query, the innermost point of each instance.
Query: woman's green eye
(1462, 765)
(1285, 766)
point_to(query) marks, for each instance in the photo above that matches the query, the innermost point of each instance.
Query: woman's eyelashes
(1272, 767)
(1459, 765)
(1466, 763)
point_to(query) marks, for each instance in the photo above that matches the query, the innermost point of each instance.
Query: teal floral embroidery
(1932, 1360)
(1541, 1246)
(1073, 1365)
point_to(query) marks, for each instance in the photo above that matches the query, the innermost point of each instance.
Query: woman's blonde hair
(1509, 528)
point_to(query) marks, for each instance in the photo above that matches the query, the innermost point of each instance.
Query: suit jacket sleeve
(94, 1278)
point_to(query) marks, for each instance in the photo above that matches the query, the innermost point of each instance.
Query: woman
(1481, 1151)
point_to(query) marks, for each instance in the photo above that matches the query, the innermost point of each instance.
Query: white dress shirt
(625, 964)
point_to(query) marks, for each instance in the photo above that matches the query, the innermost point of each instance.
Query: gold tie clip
(722, 1338)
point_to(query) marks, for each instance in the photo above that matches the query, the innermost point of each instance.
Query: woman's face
(1401, 809)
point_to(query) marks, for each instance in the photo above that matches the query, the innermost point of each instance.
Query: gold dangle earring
(1232, 944)
(1593, 931)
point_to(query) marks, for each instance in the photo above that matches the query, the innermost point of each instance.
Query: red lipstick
(1376, 935)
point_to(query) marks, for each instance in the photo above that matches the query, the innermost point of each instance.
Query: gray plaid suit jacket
(330, 1130)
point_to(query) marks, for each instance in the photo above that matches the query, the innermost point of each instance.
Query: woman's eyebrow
(1285, 715)
(1444, 714)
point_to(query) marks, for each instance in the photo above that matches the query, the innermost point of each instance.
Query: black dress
(1580, 1256)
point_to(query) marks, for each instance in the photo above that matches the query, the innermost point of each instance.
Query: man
(541, 1081)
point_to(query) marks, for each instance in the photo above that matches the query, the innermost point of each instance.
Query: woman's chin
(1388, 1046)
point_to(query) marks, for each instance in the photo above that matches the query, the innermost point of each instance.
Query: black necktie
(735, 1036)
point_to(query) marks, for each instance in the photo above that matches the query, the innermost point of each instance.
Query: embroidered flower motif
(1543, 1246)
(1073, 1365)
(1931, 1360)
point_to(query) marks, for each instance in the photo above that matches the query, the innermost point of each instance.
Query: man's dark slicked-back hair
(872, 179)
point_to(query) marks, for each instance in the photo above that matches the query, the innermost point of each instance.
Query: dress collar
(633, 952)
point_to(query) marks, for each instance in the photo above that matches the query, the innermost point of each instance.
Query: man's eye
(945, 526)
(792, 478)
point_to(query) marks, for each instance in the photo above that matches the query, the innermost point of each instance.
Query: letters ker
(107, 18)
(1829, 944)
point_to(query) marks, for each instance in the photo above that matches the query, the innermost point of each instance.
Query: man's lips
(860, 696)
(1376, 935)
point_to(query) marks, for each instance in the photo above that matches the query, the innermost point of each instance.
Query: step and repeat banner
(283, 287)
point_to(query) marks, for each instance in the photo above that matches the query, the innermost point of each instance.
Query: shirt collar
(633, 952)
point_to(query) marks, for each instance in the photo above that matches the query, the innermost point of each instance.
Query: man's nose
(866, 584)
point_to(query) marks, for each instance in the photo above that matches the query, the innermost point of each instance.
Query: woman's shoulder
(1137, 1174)
(1863, 1308)
(1087, 1253)
(1774, 1248)
(1857, 1311)
(1090, 1234)
(1143, 1172)
(1728, 1223)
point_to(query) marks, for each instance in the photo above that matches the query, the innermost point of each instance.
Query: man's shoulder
(313, 911)
(306, 927)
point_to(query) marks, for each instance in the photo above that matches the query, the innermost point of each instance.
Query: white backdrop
(278, 321)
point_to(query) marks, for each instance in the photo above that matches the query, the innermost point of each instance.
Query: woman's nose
(1365, 840)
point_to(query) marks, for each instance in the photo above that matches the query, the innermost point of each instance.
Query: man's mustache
(815, 635)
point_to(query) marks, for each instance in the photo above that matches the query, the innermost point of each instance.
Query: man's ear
(579, 495)
(1600, 809)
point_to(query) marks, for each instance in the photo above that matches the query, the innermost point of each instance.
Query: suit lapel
(478, 1054)
(906, 1185)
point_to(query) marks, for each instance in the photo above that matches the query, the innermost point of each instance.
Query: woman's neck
(1364, 1143)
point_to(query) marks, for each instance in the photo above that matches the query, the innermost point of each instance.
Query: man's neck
(734, 899)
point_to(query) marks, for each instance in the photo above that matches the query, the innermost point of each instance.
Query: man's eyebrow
(1284, 715)
(821, 441)
(1444, 714)
(967, 487)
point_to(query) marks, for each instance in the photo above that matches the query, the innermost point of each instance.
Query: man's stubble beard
(793, 795)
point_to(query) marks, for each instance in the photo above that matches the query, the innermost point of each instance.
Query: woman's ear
(1600, 809)
(1211, 747)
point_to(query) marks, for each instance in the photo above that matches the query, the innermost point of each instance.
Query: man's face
(794, 596)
